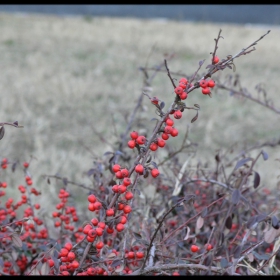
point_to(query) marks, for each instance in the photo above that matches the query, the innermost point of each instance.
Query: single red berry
(37, 206)
(183, 95)
(119, 174)
(216, 59)
(182, 85)
(126, 181)
(194, 248)
(131, 144)
(161, 142)
(139, 255)
(120, 206)
(121, 189)
(205, 90)
(119, 227)
(4, 166)
(122, 219)
(71, 256)
(91, 207)
(153, 146)
(178, 90)
(4, 185)
(176, 273)
(99, 231)
(92, 233)
(130, 255)
(127, 209)
(68, 246)
(128, 195)
(94, 221)
(87, 228)
(155, 100)
(134, 135)
(203, 83)
(169, 122)
(115, 188)
(174, 132)
(211, 83)
(51, 262)
(209, 247)
(110, 230)
(168, 129)
(110, 212)
(124, 172)
(99, 245)
(97, 205)
(91, 198)
(183, 80)
(164, 136)
(154, 172)
(116, 168)
(25, 164)
(178, 114)
(141, 140)
(64, 252)
(139, 168)
(75, 264)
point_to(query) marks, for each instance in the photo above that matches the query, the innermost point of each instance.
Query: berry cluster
(206, 85)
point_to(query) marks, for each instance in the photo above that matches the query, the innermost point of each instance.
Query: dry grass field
(64, 78)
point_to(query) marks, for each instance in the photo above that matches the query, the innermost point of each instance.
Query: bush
(150, 212)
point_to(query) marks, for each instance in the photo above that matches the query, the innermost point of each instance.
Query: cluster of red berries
(181, 87)
(4, 163)
(136, 139)
(206, 85)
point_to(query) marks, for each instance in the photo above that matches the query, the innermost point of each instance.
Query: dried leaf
(235, 196)
(35, 271)
(250, 257)
(204, 212)
(237, 252)
(228, 223)
(16, 240)
(111, 255)
(137, 235)
(107, 153)
(261, 217)
(257, 180)
(265, 155)
(224, 263)
(274, 222)
(260, 257)
(195, 118)
(270, 235)
(14, 166)
(241, 162)
(199, 222)
(162, 104)
(119, 269)
(2, 132)
(65, 181)
(49, 181)
(116, 263)
(197, 106)
(251, 222)
(201, 62)
(208, 260)
(188, 234)
(15, 123)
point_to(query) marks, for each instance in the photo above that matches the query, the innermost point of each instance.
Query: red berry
(130, 255)
(203, 83)
(131, 144)
(153, 146)
(183, 80)
(25, 164)
(184, 95)
(174, 132)
(209, 247)
(51, 262)
(4, 166)
(101, 225)
(139, 255)
(4, 185)
(141, 140)
(155, 100)
(211, 83)
(123, 219)
(87, 228)
(121, 189)
(175, 273)
(29, 182)
(119, 174)
(119, 227)
(128, 195)
(124, 172)
(99, 245)
(182, 85)
(97, 205)
(126, 181)
(127, 209)
(115, 188)
(164, 136)
(94, 221)
(91, 198)
(110, 230)
(206, 90)
(168, 129)
(91, 207)
(178, 114)
(139, 168)
(194, 248)
(134, 135)
(155, 172)
(216, 59)
(169, 122)
(178, 90)
(68, 246)
(116, 168)
(37, 206)
(110, 212)
(71, 256)
(161, 142)
(99, 231)
(64, 252)
(92, 233)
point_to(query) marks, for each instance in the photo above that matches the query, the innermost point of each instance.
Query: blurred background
(241, 14)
